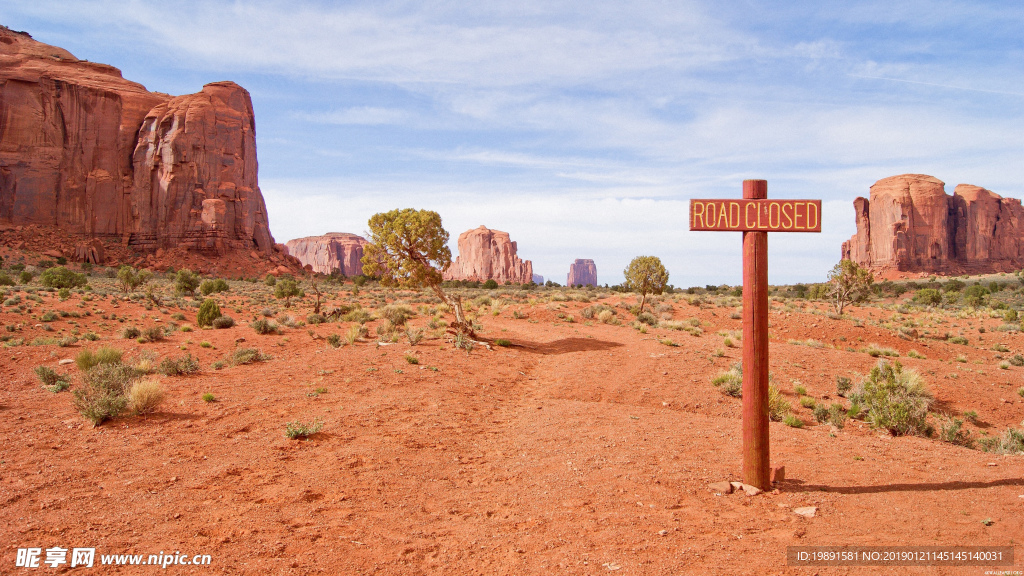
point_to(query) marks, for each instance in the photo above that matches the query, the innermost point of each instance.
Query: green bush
(928, 297)
(270, 280)
(6, 280)
(129, 278)
(87, 359)
(778, 407)
(647, 318)
(843, 386)
(1012, 442)
(315, 319)
(951, 430)
(208, 312)
(186, 282)
(490, 284)
(130, 333)
(25, 277)
(51, 380)
(334, 340)
(61, 277)
(296, 429)
(153, 334)
(894, 399)
(975, 295)
(208, 287)
(104, 392)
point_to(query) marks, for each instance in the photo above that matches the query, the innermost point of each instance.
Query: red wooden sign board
(755, 216)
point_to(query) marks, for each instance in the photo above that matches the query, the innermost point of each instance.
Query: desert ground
(581, 442)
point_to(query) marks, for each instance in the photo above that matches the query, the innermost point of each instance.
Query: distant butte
(333, 251)
(910, 224)
(486, 254)
(582, 272)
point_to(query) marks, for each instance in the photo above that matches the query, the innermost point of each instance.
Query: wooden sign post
(755, 216)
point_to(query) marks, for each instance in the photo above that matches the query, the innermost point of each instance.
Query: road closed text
(756, 215)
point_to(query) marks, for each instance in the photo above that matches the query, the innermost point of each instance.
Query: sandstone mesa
(97, 157)
(486, 254)
(910, 224)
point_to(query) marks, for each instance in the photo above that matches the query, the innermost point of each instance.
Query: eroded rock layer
(910, 224)
(486, 254)
(92, 154)
(332, 251)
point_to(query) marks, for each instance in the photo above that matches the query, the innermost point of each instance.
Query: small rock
(240, 339)
(751, 490)
(992, 464)
(662, 532)
(737, 485)
(65, 361)
(721, 487)
(807, 511)
(778, 474)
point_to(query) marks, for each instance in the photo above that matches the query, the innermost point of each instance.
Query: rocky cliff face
(485, 254)
(94, 155)
(910, 224)
(582, 272)
(332, 251)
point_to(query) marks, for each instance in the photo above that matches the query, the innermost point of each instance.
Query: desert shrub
(145, 396)
(397, 315)
(87, 359)
(958, 340)
(209, 397)
(48, 316)
(153, 334)
(843, 385)
(90, 336)
(207, 287)
(268, 312)
(793, 422)
(874, 350)
(808, 402)
(248, 356)
(186, 282)
(296, 429)
(51, 380)
(894, 399)
(1017, 360)
(222, 322)
(778, 407)
(270, 280)
(334, 340)
(951, 430)
(820, 412)
(1011, 442)
(104, 392)
(837, 415)
(262, 326)
(286, 289)
(730, 383)
(129, 278)
(130, 333)
(414, 335)
(490, 284)
(358, 315)
(6, 280)
(928, 297)
(180, 366)
(354, 333)
(25, 277)
(411, 359)
(647, 318)
(975, 295)
(208, 311)
(61, 277)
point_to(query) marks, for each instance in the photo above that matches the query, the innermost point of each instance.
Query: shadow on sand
(565, 346)
(798, 485)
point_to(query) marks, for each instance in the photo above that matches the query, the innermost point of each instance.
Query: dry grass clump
(145, 396)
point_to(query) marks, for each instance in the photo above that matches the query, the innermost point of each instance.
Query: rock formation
(94, 155)
(485, 254)
(332, 251)
(582, 272)
(538, 279)
(910, 224)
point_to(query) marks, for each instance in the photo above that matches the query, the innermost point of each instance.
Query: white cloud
(359, 115)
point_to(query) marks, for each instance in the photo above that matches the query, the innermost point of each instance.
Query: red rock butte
(332, 251)
(95, 156)
(582, 272)
(486, 254)
(910, 224)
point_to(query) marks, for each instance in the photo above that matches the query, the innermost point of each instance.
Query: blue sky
(583, 128)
